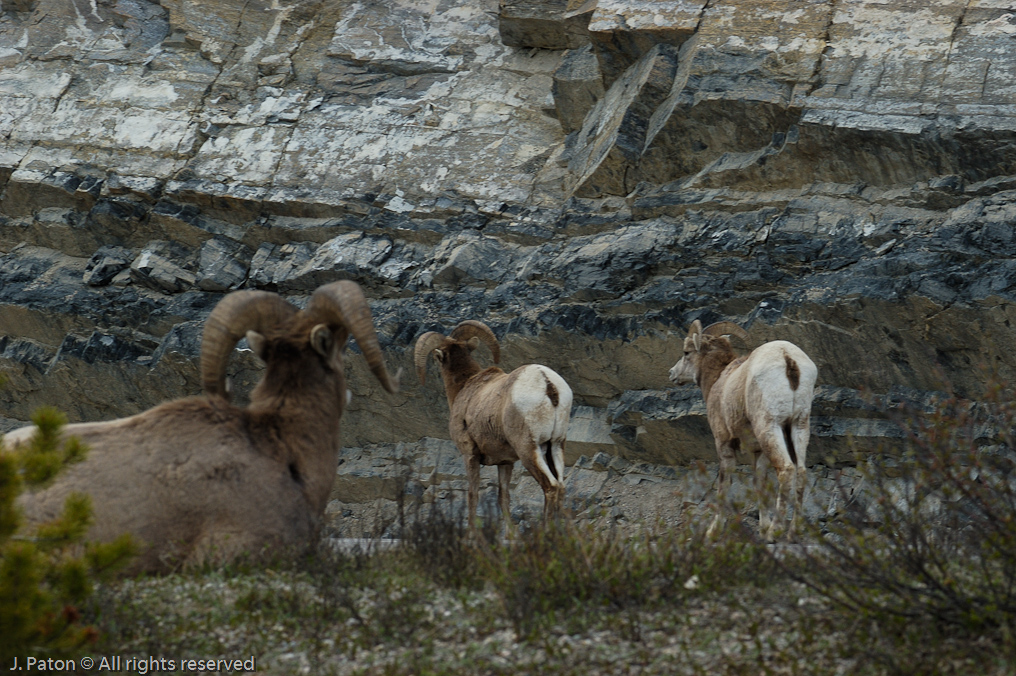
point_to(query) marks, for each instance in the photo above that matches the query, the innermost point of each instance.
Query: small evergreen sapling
(45, 575)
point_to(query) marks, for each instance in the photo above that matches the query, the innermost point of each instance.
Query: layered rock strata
(585, 177)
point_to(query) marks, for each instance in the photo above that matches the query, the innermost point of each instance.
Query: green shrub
(439, 541)
(565, 566)
(925, 549)
(46, 575)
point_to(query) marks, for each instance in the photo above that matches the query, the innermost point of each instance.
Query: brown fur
(551, 392)
(717, 356)
(747, 407)
(200, 479)
(488, 429)
(793, 372)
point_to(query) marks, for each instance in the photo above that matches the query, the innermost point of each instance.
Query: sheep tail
(552, 393)
(793, 372)
(554, 396)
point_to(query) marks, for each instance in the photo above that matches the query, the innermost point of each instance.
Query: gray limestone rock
(162, 266)
(541, 24)
(350, 256)
(604, 265)
(223, 265)
(273, 264)
(471, 257)
(578, 85)
(586, 177)
(614, 134)
(105, 264)
(304, 266)
(622, 32)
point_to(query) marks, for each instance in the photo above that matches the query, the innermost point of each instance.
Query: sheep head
(698, 344)
(454, 350)
(279, 334)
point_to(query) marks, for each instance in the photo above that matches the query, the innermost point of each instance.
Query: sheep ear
(473, 343)
(257, 344)
(439, 354)
(322, 340)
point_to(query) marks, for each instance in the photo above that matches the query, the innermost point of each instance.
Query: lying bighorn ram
(497, 418)
(768, 393)
(200, 479)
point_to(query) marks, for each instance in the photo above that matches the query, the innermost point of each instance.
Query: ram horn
(343, 306)
(474, 329)
(426, 344)
(235, 315)
(726, 328)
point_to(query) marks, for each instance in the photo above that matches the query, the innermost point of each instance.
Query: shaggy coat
(497, 418)
(200, 479)
(761, 402)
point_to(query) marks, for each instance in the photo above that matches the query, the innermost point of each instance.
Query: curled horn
(472, 328)
(342, 306)
(235, 315)
(723, 328)
(426, 344)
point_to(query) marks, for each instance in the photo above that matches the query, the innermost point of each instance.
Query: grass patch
(569, 598)
(916, 574)
(549, 573)
(923, 555)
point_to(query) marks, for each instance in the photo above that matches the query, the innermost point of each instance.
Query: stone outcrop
(586, 177)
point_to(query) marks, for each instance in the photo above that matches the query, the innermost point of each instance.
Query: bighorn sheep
(496, 418)
(200, 479)
(768, 393)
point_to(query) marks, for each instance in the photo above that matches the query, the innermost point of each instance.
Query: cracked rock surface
(585, 177)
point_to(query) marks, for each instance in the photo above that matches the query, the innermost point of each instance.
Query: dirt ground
(624, 500)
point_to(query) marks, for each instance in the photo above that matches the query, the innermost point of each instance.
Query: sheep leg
(799, 436)
(727, 451)
(800, 482)
(504, 479)
(771, 439)
(556, 459)
(786, 475)
(765, 516)
(472, 496)
(533, 460)
(558, 454)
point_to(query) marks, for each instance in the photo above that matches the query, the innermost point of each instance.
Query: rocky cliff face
(586, 177)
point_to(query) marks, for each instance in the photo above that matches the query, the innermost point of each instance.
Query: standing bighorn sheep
(200, 479)
(768, 393)
(497, 418)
